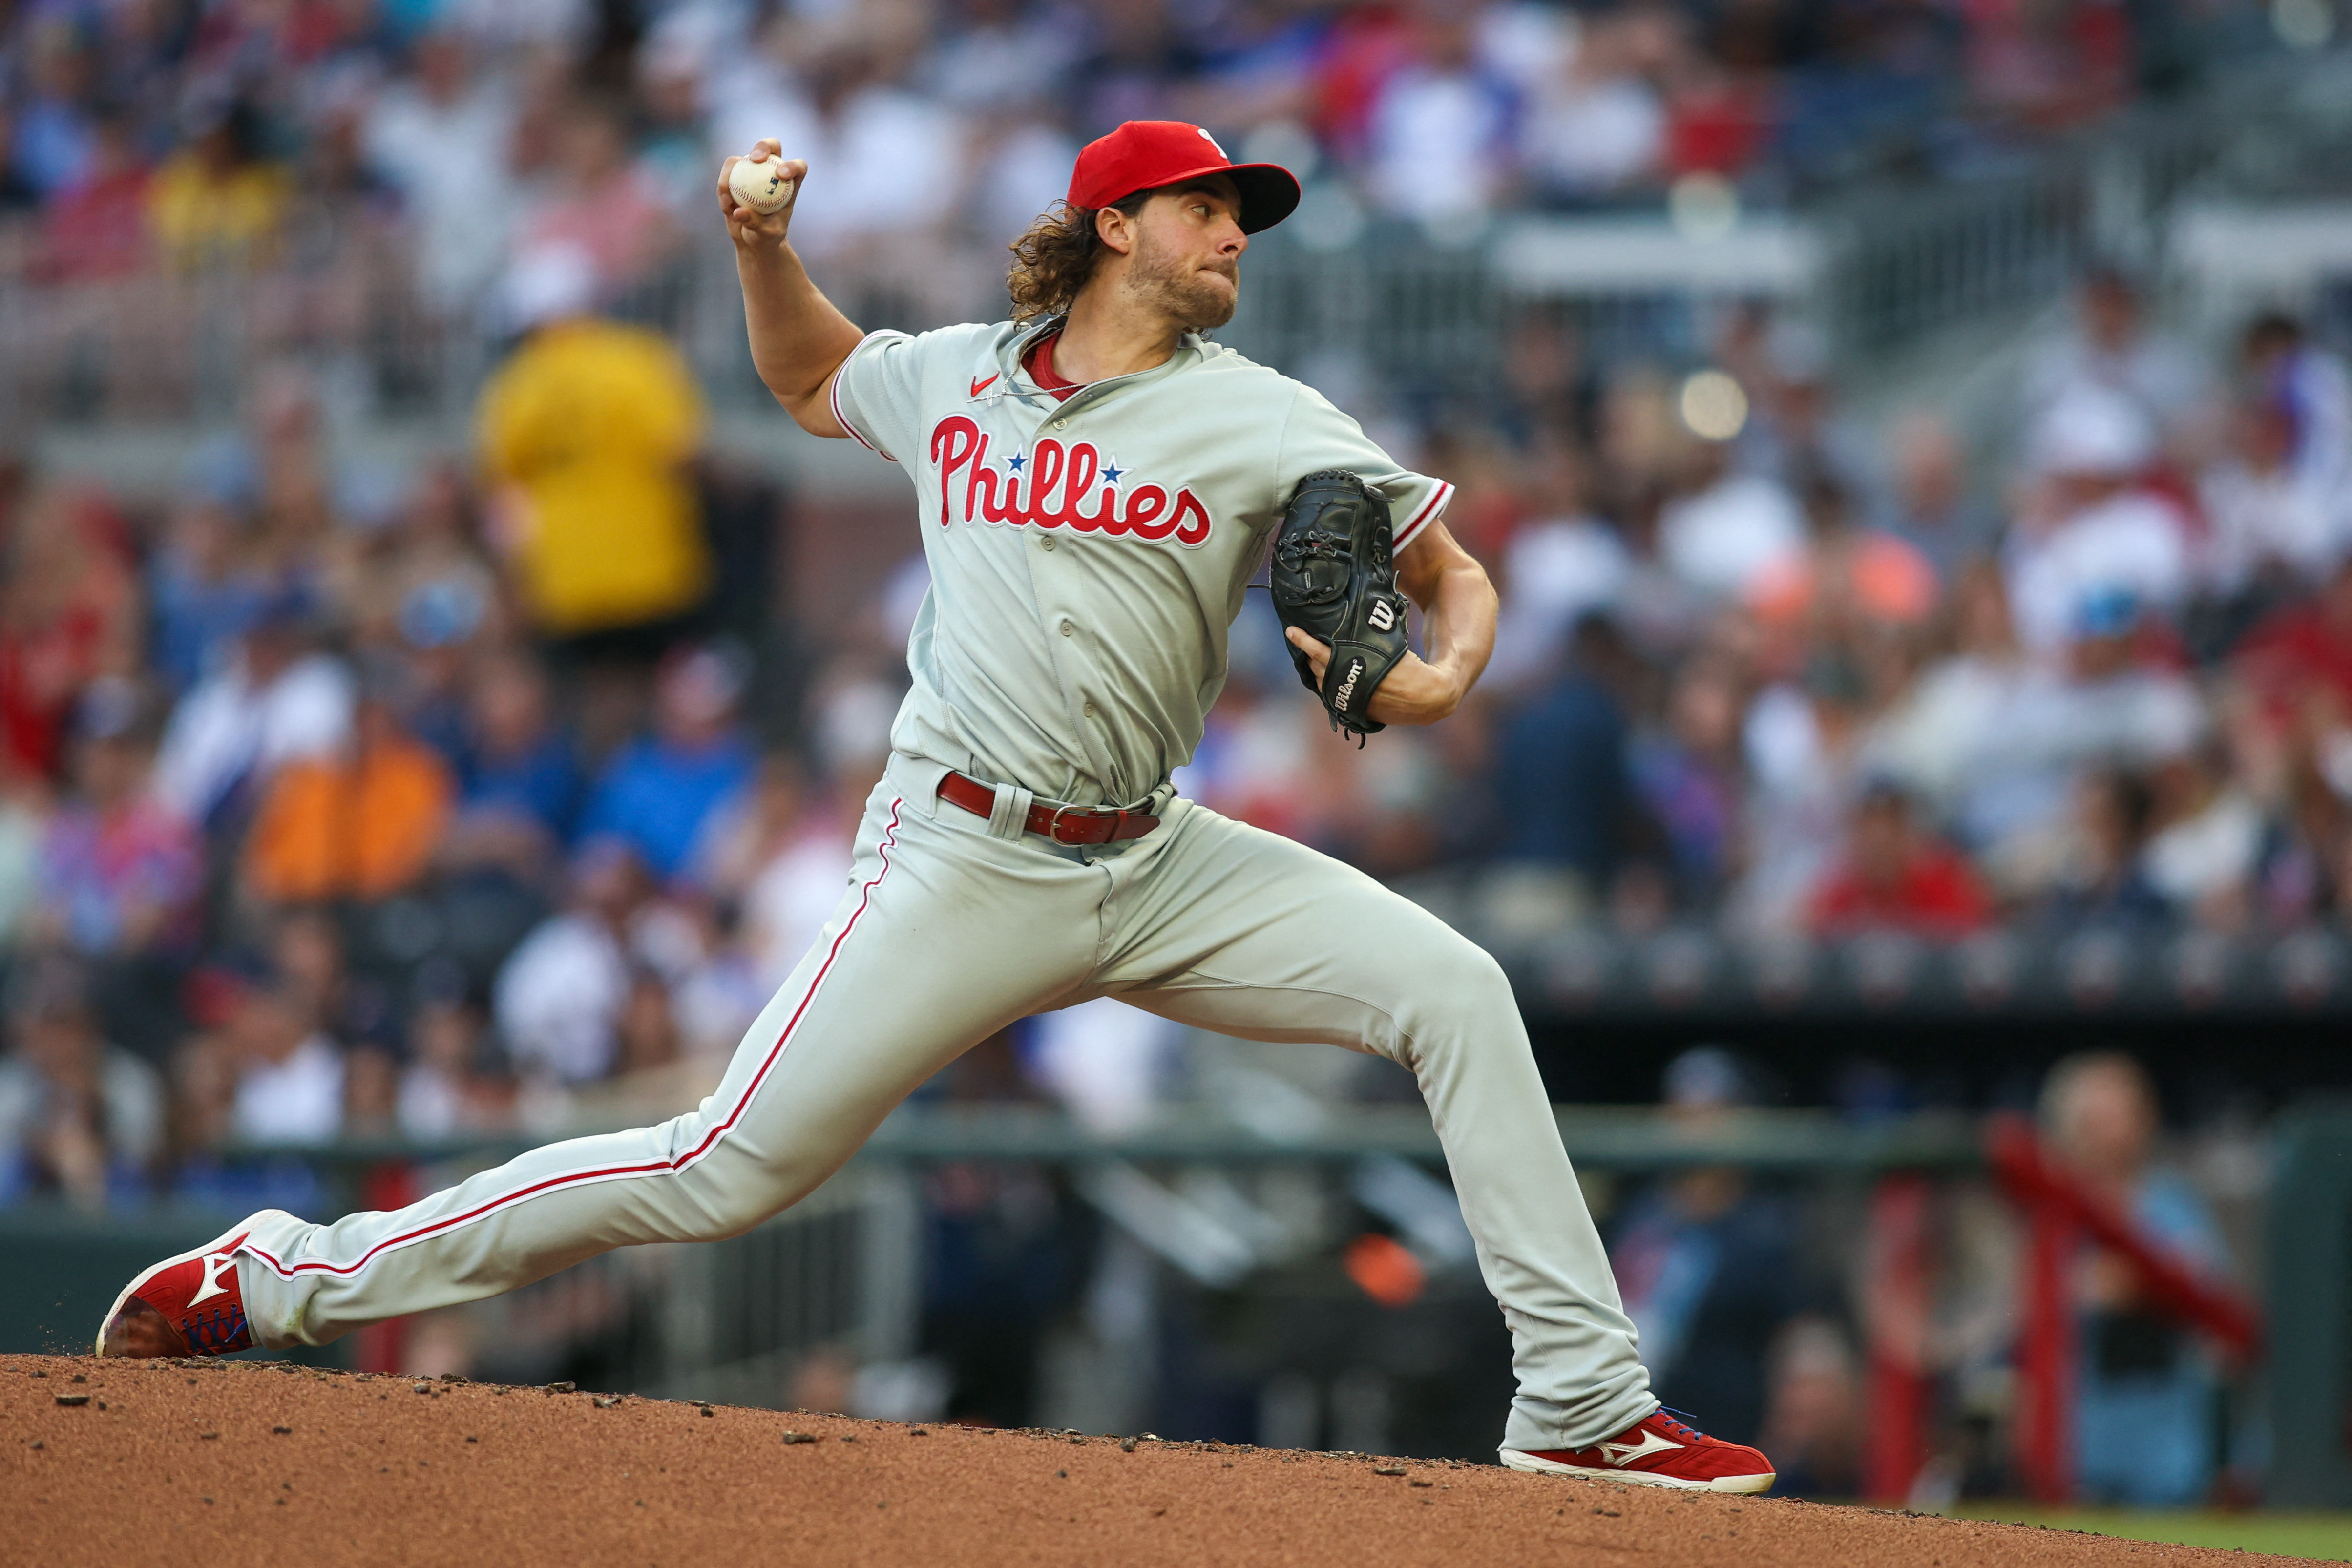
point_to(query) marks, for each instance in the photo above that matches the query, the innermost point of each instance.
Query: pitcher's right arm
(798, 339)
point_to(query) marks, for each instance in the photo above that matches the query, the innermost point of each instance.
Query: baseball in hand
(759, 186)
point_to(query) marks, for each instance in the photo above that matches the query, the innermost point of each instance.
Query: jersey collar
(1009, 379)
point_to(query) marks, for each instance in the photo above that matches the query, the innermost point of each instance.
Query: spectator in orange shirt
(1894, 877)
(1847, 576)
(362, 825)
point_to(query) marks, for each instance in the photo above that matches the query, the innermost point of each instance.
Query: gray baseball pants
(952, 929)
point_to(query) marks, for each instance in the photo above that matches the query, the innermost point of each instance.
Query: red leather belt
(1063, 824)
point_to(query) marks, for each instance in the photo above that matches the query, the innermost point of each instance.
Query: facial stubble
(1171, 284)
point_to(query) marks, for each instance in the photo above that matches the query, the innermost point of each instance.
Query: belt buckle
(1085, 815)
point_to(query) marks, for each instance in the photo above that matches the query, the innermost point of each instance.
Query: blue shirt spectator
(2145, 1390)
(1562, 769)
(657, 793)
(202, 599)
(510, 758)
(541, 783)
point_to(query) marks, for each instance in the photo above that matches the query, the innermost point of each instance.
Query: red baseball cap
(1145, 154)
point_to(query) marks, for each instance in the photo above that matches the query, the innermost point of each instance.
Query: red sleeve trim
(832, 396)
(1430, 508)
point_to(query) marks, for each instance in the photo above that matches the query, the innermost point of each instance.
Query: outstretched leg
(945, 935)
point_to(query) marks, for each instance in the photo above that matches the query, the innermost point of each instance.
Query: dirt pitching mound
(212, 1463)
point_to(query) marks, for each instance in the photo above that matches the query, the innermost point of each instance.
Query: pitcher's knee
(738, 1193)
(1456, 994)
(1465, 977)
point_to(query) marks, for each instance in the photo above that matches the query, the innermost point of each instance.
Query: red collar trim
(1038, 362)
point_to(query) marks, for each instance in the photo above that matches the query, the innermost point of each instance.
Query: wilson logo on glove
(1335, 578)
(1347, 687)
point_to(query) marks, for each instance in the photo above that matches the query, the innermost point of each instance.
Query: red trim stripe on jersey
(1429, 509)
(832, 396)
(649, 1167)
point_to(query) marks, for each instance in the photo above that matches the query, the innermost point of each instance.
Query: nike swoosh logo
(980, 387)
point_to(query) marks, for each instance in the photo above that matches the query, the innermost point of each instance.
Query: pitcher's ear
(1115, 229)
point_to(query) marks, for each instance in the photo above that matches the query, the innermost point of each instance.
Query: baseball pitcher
(1095, 483)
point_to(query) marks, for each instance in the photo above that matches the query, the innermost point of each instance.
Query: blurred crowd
(323, 820)
(346, 799)
(1767, 664)
(195, 134)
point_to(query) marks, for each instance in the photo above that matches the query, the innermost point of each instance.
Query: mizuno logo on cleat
(215, 1265)
(1623, 1454)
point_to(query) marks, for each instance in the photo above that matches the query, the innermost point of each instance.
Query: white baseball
(759, 186)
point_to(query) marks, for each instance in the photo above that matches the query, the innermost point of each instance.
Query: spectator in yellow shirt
(587, 430)
(219, 202)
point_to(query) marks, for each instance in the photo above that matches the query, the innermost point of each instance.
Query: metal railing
(1999, 974)
(1249, 1217)
(732, 1318)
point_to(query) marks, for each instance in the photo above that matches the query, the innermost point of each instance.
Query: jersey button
(1061, 425)
(1090, 710)
(1069, 629)
(1045, 544)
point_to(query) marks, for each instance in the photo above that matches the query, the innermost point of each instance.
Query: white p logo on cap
(1212, 141)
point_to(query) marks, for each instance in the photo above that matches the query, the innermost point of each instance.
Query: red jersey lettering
(1056, 487)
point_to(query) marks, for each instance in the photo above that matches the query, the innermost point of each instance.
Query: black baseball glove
(1335, 580)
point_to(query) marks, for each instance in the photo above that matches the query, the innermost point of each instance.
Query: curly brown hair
(1054, 259)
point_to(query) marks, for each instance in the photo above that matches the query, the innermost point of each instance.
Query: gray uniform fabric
(1078, 662)
(1088, 558)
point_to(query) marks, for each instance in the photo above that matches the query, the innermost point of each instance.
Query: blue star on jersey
(1014, 464)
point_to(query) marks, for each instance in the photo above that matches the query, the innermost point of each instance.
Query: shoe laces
(209, 1332)
(1679, 1423)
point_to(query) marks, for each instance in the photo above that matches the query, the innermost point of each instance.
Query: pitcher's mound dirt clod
(186, 1462)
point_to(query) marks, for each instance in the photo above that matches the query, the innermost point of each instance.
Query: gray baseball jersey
(1088, 557)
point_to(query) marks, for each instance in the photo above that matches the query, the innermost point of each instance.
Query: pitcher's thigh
(1256, 936)
(939, 951)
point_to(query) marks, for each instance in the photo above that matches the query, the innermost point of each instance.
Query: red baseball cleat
(188, 1305)
(1658, 1451)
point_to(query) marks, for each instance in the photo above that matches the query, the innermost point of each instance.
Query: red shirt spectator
(97, 227)
(1894, 878)
(1366, 45)
(96, 230)
(2303, 651)
(67, 613)
(1716, 123)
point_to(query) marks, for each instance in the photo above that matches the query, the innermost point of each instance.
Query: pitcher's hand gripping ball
(760, 186)
(1335, 580)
